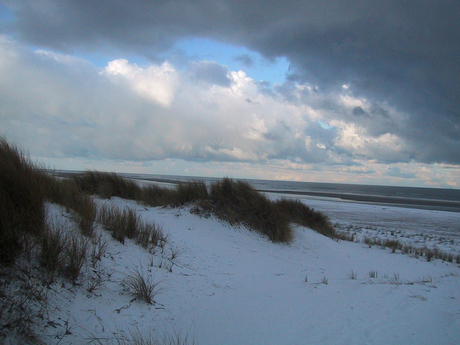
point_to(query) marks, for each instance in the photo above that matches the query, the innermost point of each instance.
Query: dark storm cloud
(402, 53)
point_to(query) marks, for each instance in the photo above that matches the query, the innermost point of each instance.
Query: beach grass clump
(63, 251)
(66, 192)
(76, 252)
(373, 274)
(392, 244)
(126, 223)
(120, 222)
(150, 236)
(353, 275)
(108, 185)
(142, 286)
(190, 192)
(303, 215)
(240, 203)
(155, 195)
(182, 194)
(53, 243)
(22, 199)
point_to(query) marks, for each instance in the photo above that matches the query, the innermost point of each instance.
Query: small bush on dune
(86, 214)
(114, 221)
(152, 337)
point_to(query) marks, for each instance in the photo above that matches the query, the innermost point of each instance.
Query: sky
(321, 91)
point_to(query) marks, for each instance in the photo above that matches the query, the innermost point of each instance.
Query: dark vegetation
(22, 197)
(234, 201)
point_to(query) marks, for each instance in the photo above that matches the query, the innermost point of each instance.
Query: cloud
(156, 83)
(401, 58)
(210, 72)
(128, 112)
(245, 59)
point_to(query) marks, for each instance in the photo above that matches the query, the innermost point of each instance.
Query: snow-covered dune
(228, 285)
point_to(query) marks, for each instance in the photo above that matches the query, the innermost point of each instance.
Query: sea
(441, 199)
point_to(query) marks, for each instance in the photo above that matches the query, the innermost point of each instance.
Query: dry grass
(22, 198)
(150, 236)
(53, 242)
(126, 223)
(403, 248)
(303, 215)
(150, 337)
(67, 193)
(234, 201)
(239, 203)
(76, 255)
(142, 286)
(107, 185)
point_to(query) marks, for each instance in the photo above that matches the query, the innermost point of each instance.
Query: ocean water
(411, 197)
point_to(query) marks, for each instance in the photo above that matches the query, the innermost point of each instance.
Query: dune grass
(107, 185)
(126, 223)
(22, 198)
(303, 215)
(234, 201)
(240, 203)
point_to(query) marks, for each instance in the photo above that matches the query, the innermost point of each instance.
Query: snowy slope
(228, 285)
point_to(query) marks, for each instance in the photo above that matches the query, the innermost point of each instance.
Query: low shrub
(98, 249)
(393, 244)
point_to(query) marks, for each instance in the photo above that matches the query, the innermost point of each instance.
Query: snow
(229, 285)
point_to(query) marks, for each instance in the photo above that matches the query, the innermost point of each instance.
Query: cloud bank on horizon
(372, 94)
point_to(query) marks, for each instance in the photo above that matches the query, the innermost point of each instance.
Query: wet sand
(444, 205)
